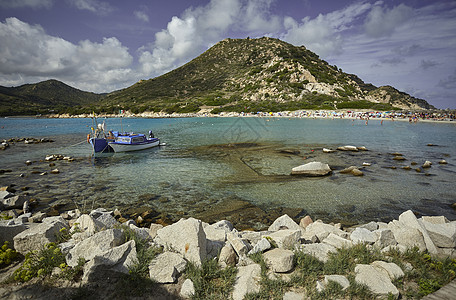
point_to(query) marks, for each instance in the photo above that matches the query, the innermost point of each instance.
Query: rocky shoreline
(100, 239)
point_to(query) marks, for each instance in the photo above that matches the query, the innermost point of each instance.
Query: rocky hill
(258, 74)
(247, 75)
(44, 97)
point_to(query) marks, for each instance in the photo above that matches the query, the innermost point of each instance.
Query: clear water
(209, 160)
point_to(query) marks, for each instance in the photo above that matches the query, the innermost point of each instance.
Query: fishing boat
(131, 142)
(99, 139)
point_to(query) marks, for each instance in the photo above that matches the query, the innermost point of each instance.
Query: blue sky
(101, 46)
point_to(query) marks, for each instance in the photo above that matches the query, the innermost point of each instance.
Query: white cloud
(28, 54)
(95, 6)
(323, 34)
(187, 36)
(141, 15)
(26, 3)
(256, 17)
(383, 21)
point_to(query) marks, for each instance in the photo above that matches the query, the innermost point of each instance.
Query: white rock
(385, 238)
(312, 169)
(279, 260)
(337, 241)
(286, 238)
(340, 279)
(284, 222)
(391, 269)
(117, 259)
(186, 237)
(320, 251)
(427, 164)
(363, 235)
(187, 289)
(223, 224)
(7, 233)
(247, 281)
(443, 235)
(366, 164)
(39, 235)
(153, 229)
(348, 148)
(227, 256)
(213, 233)
(87, 224)
(370, 226)
(378, 282)
(261, 246)
(294, 296)
(95, 245)
(322, 230)
(166, 267)
(407, 236)
(409, 219)
(435, 219)
(326, 150)
(239, 245)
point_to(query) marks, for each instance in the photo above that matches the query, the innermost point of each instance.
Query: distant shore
(366, 115)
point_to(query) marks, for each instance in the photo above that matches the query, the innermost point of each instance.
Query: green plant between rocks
(7, 255)
(41, 263)
(210, 280)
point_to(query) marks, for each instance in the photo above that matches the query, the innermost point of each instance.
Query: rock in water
(312, 169)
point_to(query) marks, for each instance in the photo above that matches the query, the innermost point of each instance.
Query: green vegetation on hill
(252, 75)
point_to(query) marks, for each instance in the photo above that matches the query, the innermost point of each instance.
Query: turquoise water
(208, 160)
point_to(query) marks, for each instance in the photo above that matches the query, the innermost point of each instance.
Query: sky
(101, 46)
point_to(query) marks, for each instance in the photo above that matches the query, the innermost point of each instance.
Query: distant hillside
(43, 98)
(257, 75)
(247, 75)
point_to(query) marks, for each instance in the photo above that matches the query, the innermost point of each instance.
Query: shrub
(7, 255)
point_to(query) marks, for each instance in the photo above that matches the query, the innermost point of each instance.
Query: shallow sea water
(217, 162)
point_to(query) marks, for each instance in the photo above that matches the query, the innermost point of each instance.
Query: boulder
(306, 221)
(261, 246)
(223, 224)
(348, 148)
(312, 169)
(322, 230)
(409, 219)
(385, 237)
(37, 236)
(227, 256)
(247, 281)
(370, 226)
(15, 201)
(141, 232)
(377, 282)
(284, 222)
(213, 248)
(95, 245)
(391, 269)
(153, 229)
(239, 245)
(427, 164)
(187, 237)
(337, 241)
(213, 233)
(187, 289)
(340, 279)
(320, 250)
(443, 162)
(348, 170)
(87, 224)
(279, 260)
(363, 235)
(435, 219)
(286, 238)
(8, 232)
(166, 267)
(326, 150)
(442, 235)
(118, 259)
(407, 236)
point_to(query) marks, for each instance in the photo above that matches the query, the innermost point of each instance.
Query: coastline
(408, 116)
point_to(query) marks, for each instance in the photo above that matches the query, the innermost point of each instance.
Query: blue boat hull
(100, 145)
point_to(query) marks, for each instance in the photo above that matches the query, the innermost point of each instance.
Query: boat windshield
(138, 139)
